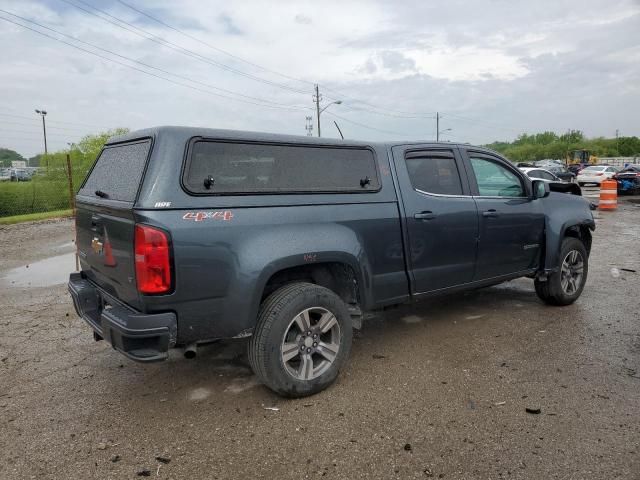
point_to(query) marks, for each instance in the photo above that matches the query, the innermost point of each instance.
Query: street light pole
(438, 131)
(316, 98)
(43, 113)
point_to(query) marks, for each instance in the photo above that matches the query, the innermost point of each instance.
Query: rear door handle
(492, 213)
(428, 215)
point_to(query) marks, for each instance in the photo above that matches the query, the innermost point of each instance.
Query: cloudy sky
(493, 69)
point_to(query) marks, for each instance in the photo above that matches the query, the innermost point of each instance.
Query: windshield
(594, 169)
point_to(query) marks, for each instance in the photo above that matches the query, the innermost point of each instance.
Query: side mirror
(540, 189)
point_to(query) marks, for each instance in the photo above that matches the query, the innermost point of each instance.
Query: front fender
(562, 213)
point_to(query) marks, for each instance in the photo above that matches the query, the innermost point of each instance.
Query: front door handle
(428, 215)
(492, 213)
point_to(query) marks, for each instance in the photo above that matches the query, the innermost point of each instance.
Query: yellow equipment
(581, 156)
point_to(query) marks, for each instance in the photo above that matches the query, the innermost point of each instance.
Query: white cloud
(503, 66)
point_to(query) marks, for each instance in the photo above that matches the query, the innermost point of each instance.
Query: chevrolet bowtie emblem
(96, 245)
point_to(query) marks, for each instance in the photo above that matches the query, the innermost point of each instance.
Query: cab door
(511, 222)
(440, 217)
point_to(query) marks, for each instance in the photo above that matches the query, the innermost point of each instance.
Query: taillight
(599, 174)
(152, 258)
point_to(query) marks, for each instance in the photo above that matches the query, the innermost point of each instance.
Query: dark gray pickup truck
(190, 235)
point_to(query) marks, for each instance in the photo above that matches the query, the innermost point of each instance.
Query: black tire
(278, 317)
(552, 291)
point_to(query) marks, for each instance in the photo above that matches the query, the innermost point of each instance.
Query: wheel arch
(340, 272)
(555, 236)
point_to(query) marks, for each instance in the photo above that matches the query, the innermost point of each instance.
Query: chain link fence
(44, 190)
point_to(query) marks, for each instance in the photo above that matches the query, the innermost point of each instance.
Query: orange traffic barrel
(608, 195)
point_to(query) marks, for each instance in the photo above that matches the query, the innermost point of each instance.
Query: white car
(595, 174)
(540, 174)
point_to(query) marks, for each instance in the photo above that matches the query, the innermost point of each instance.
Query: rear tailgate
(105, 221)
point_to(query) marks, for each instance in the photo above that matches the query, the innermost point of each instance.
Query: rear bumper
(141, 337)
(597, 180)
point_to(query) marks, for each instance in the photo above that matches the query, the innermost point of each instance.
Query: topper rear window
(117, 172)
(230, 167)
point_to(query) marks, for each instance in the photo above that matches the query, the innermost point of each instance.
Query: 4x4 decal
(200, 216)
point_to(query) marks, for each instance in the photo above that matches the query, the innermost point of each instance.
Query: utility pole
(617, 142)
(437, 126)
(43, 113)
(317, 98)
(309, 126)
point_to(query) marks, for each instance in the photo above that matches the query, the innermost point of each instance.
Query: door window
(494, 180)
(433, 173)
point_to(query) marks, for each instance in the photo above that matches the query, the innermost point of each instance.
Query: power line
(399, 113)
(377, 111)
(146, 72)
(480, 123)
(56, 121)
(386, 114)
(185, 51)
(183, 77)
(367, 126)
(34, 125)
(217, 49)
(38, 134)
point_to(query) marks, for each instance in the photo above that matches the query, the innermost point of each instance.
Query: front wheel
(301, 341)
(564, 286)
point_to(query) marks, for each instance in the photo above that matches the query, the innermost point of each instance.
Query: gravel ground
(437, 390)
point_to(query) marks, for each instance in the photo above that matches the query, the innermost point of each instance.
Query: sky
(492, 69)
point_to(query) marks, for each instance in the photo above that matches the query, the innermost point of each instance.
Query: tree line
(540, 146)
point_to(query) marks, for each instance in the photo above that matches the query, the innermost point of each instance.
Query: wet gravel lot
(437, 390)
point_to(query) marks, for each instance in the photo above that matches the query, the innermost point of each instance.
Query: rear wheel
(301, 341)
(564, 286)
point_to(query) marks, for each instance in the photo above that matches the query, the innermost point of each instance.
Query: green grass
(31, 217)
(36, 196)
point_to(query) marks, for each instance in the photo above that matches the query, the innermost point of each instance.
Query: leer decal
(200, 216)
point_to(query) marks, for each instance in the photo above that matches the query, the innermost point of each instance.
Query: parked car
(628, 180)
(541, 174)
(577, 167)
(19, 175)
(562, 172)
(5, 174)
(288, 241)
(595, 174)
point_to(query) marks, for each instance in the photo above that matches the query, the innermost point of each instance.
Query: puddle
(43, 273)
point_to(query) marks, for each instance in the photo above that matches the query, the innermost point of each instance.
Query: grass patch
(32, 217)
(39, 195)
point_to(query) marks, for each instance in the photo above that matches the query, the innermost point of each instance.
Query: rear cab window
(226, 167)
(117, 173)
(433, 172)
